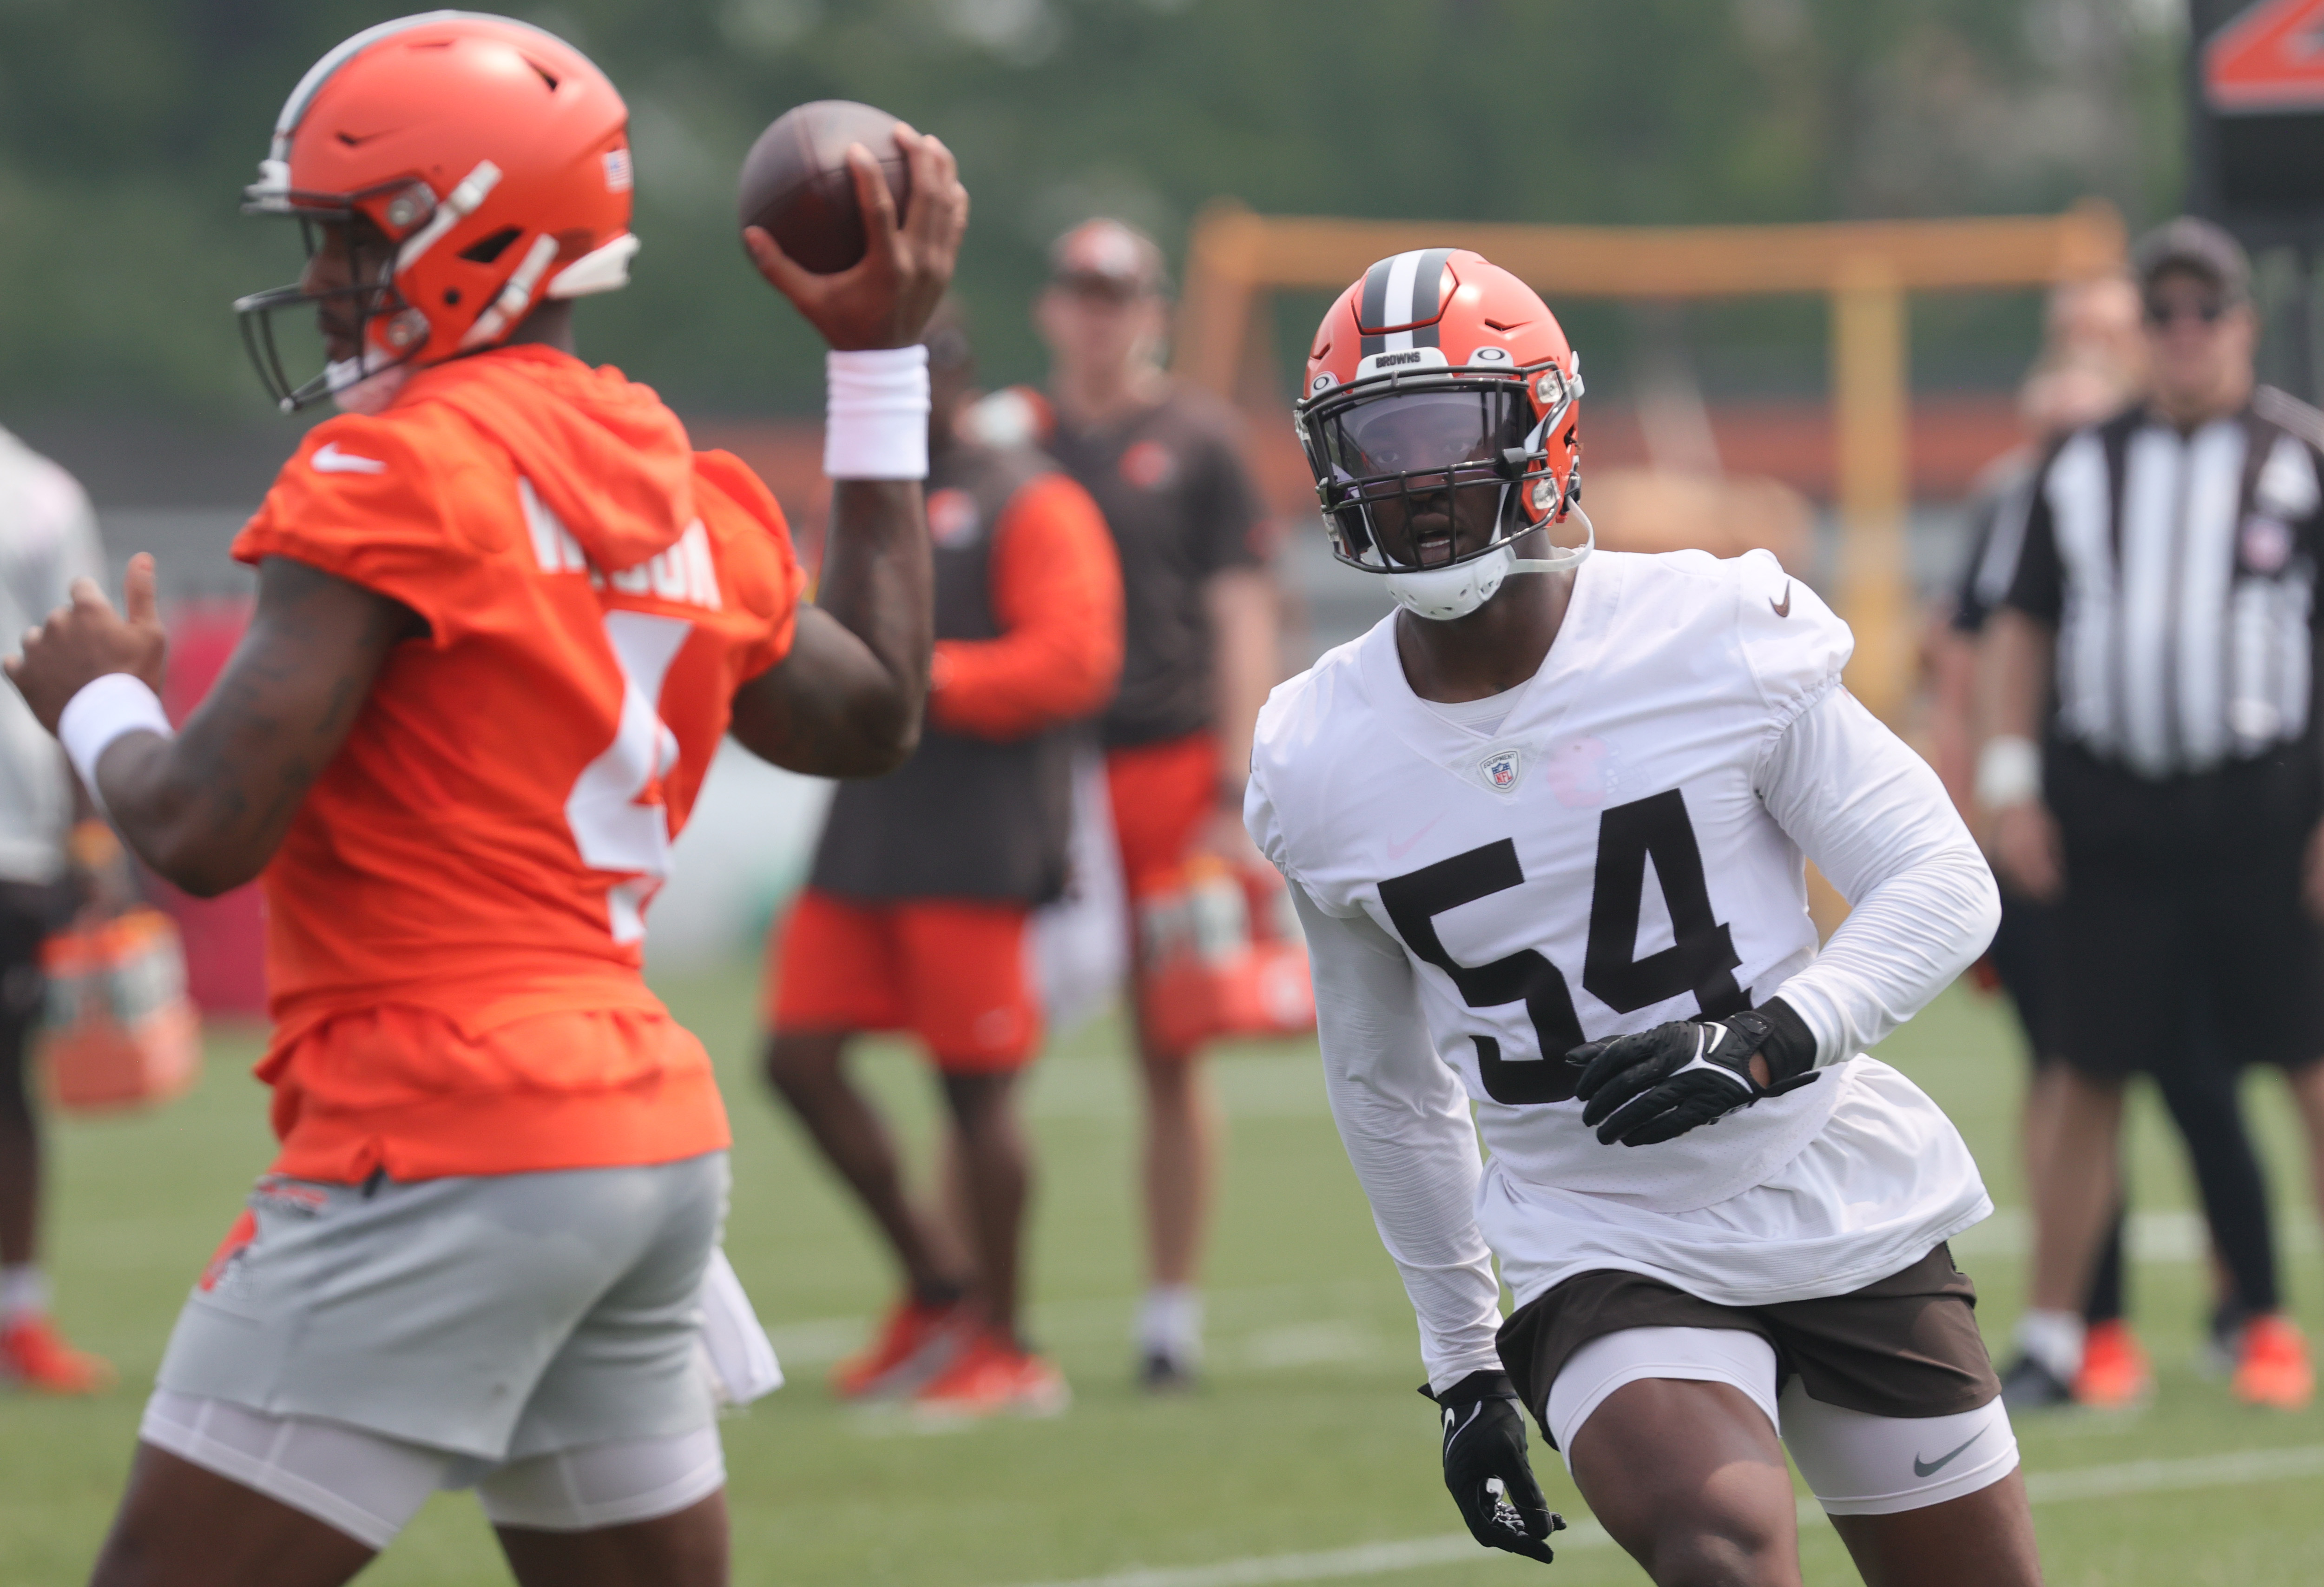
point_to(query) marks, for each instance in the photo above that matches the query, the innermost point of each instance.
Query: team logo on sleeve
(1501, 769)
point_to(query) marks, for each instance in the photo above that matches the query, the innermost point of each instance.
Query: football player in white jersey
(1545, 827)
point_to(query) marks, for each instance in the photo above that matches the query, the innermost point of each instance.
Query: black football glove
(1662, 1083)
(1485, 1468)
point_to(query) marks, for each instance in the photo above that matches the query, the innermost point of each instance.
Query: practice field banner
(2256, 124)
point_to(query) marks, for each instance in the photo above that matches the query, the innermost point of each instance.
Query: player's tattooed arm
(847, 700)
(207, 807)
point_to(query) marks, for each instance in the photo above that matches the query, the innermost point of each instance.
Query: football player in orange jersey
(505, 613)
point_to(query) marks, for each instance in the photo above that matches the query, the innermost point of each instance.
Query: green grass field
(1307, 1438)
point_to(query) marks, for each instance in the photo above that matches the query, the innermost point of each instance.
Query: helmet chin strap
(1568, 559)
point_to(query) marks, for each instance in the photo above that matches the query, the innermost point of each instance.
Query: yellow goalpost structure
(1866, 269)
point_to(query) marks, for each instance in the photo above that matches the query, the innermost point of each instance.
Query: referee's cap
(2197, 246)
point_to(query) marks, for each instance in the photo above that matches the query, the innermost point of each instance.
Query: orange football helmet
(493, 155)
(1441, 384)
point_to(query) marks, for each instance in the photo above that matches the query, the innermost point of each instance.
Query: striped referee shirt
(2180, 573)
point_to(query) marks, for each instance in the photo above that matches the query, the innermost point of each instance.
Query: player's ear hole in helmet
(487, 157)
(1439, 421)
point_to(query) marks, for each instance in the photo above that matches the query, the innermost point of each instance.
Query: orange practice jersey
(1056, 593)
(456, 917)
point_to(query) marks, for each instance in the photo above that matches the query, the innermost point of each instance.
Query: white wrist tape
(876, 414)
(106, 708)
(2009, 772)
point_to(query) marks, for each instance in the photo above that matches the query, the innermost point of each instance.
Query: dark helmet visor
(1405, 433)
(1405, 443)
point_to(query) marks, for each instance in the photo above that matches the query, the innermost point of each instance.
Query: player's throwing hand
(884, 299)
(88, 639)
(1660, 1084)
(1485, 1468)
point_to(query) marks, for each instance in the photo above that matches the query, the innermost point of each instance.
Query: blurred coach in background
(914, 914)
(1162, 462)
(47, 539)
(2156, 762)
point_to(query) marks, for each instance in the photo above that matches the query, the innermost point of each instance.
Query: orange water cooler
(121, 1030)
(1224, 958)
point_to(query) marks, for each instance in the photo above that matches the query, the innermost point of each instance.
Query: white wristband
(107, 707)
(876, 413)
(2009, 772)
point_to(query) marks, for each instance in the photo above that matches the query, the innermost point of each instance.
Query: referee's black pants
(2198, 1080)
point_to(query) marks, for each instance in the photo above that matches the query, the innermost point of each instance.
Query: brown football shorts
(1906, 1345)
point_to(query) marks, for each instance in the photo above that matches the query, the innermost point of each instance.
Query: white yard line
(1380, 1559)
(1368, 1559)
(2198, 1470)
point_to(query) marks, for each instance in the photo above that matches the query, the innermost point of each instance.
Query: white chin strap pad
(1441, 594)
(1444, 593)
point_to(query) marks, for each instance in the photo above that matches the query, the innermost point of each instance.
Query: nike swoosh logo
(1931, 1467)
(1783, 609)
(329, 459)
(1396, 851)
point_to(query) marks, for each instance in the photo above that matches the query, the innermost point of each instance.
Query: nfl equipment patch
(1502, 769)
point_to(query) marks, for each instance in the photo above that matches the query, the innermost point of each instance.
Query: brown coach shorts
(1906, 1345)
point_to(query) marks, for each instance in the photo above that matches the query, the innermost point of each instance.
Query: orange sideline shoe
(913, 1344)
(2272, 1367)
(992, 1376)
(2114, 1371)
(35, 1355)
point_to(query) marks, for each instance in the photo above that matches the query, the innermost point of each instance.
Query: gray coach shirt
(47, 539)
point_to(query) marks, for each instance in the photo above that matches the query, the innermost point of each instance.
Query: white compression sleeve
(1405, 1122)
(367, 1485)
(1872, 816)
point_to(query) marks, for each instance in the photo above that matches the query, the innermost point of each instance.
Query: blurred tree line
(128, 126)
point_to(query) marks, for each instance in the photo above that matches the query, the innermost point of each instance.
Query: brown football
(796, 182)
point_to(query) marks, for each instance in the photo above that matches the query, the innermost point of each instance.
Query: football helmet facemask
(479, 164)
(1439, 419)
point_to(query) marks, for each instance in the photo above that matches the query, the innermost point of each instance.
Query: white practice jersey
(47, 539)
(1621, 847)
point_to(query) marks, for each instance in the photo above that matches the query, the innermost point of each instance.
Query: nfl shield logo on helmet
(1501, 769)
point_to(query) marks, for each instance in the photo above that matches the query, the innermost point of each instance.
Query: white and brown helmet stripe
(1403, 299)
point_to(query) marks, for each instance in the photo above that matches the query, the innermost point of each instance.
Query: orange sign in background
(2269, 58)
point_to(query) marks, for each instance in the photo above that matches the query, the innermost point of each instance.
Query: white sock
(2055, 1339)
(23, 1292)
(1170, 1322)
